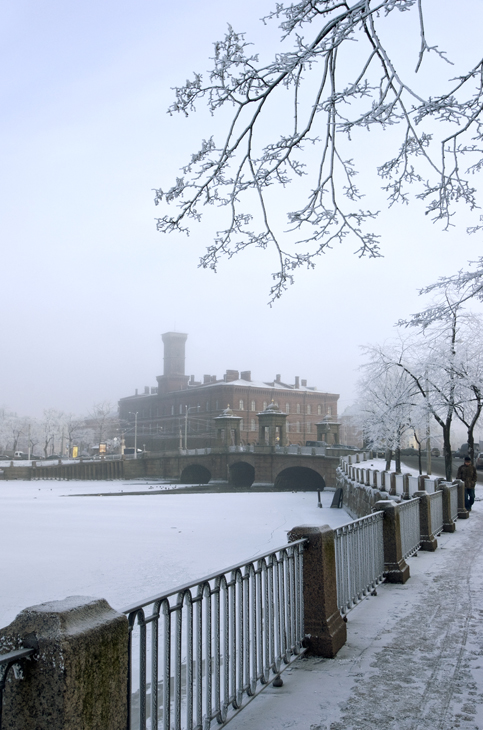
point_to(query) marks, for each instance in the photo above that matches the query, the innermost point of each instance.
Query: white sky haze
(88, 284)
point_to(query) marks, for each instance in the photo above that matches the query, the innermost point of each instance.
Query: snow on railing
(200, 652)
(409, 526)
(436, 501)
(359, 559)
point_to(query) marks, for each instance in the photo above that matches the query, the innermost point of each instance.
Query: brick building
(181, 408)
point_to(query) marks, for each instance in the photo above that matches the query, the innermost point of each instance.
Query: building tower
(173, 377)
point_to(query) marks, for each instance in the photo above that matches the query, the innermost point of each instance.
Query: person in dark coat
(467, 474)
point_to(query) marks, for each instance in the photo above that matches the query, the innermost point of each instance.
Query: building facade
(180, 411)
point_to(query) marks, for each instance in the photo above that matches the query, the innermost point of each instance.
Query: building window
(319, 410)
(241, 425)
(253, 425)
(254, 408)
(309, 428)
(264, 405)
(297, 426)
(329, 411)
(172, 410)
(180, 408)
(298, 407)
(216, 406)
(287, 407)
(287, 427)
(207, 406)
(240, 405)
(309, 409)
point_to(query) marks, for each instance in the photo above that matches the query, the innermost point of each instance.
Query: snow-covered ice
(126, 548)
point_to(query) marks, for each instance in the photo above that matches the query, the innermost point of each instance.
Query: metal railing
(436, 501)
(453, 491)
(359, 559)
(410, 528)
(215, 643)
(11, 661)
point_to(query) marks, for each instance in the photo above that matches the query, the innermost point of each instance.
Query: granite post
(77, 680)
(428, 540)
(395, 567)
(463, 513)
(325, 630)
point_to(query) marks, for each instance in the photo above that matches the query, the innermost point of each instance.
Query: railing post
(463, 513)
(392, 490)
(448, 522)
(325, 630)
(395, 567)
(428, 540)
(78, 678)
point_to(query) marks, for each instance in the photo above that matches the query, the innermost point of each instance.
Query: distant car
(52, 457)
(435, 452)
(5, 457)
(479, 461)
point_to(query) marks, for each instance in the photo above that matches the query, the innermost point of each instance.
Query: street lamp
(193, 408)
(135, 432)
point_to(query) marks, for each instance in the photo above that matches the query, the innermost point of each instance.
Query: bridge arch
(242, 474)
(195, 474)
(300, 478)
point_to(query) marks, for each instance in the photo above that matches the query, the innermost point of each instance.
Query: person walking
(467, 474)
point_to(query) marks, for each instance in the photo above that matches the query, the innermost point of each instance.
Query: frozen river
(54, 544)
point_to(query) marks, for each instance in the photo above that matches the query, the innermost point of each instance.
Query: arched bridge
(295, 468)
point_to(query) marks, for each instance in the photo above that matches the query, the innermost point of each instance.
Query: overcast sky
(88, 285)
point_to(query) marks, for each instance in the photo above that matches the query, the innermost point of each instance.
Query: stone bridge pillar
(272, 426)
(227, 428)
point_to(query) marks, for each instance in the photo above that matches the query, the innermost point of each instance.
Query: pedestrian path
(413, 659)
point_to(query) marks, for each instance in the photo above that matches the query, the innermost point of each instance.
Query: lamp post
(187, 410)
(135, 433)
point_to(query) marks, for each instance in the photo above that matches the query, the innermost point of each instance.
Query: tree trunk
(471, 444)
(388, 459)
(397, 455)
(448, 456)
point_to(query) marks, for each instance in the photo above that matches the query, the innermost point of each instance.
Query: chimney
(206, 379)
(246, 375)
(192, 380)
(213, 378)
(136, 392)
(278, 378)
(231, 375)
(146, 390)
(304, 383)
(297, 382)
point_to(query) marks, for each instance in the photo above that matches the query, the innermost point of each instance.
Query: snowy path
(413, 659)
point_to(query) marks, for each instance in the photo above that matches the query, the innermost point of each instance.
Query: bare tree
(387, 403)
(103, 419)
(314, 95)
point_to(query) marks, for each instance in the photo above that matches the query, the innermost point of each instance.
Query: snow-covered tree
(339, 71)
(387, 405)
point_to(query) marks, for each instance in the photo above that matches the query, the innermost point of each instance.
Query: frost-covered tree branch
(294, 118)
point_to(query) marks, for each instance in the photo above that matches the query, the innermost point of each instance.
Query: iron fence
(12, 660)
(359, 559)
(453, 491)
(436, 501)
(203, 651)
(410, 528)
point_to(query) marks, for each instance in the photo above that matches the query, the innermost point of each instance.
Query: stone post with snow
(325, 629)
(77, 679)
